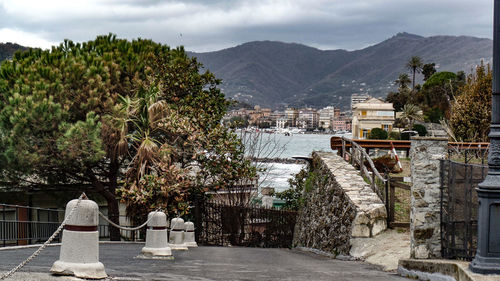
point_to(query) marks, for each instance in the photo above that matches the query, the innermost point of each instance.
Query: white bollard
(189, 240)
(176, 241)
(79, 254)
(156, 237)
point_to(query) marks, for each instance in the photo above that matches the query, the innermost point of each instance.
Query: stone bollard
(79, 254)
(156, 237)
(176, 241)
(189, 240)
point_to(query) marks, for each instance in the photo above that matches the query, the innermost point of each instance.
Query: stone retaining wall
(338, 206)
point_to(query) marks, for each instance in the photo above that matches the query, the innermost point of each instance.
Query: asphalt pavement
(203, 263)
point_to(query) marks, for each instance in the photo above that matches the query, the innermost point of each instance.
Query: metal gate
(459, 206)
(222, 225)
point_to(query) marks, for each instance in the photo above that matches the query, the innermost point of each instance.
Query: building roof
(374, 103)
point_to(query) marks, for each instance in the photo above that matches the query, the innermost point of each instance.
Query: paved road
(204, 263)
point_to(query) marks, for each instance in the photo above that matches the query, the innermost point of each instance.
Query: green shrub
(377, 134)
(405, 135)
(421, 130)
(293, 196)
(394, 135)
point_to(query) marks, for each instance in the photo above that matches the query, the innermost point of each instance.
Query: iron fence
(24, 225)
(477, 154)
(459, 208)
(218, 224)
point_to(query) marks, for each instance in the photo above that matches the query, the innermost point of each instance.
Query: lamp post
(487, 260)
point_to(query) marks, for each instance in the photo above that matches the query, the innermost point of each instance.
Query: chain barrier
(60, 228)
(37, 252)
(125, 228)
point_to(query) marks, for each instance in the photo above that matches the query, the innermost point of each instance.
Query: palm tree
(412, 112)
(403, 81)
(415, 65)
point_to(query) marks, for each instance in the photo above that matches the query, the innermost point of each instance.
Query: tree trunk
(414, 70)
(110, 195)
(113, 210)
(114, 216)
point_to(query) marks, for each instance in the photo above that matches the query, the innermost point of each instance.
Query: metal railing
(474, 154)
(393, 191)
(24, 225)
(335, 143)
(357, 156)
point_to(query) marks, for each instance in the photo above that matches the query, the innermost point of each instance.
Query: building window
(386, 128)
(363, 113)
(364, 133)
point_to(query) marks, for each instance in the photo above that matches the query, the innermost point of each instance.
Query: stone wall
(339, 205)
(425, 228)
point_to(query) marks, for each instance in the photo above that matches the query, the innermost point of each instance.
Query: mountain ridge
(294, 74)
(8, 49)
(279, 74)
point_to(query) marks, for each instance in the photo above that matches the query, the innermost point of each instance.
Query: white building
(308, 118)
(371, 114)
(281, 122)
(358, 98)
(326, 116)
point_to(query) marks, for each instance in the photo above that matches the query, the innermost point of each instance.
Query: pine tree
(74, 117)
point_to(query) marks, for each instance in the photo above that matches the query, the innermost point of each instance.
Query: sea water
(277, 174)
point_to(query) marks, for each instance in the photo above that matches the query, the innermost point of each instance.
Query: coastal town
(325, 120)
(250, 140)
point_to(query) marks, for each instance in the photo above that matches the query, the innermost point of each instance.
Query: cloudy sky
(207, 25)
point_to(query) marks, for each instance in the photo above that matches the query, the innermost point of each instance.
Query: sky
(209, 25)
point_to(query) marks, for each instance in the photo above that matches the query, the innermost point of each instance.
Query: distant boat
(297, 131)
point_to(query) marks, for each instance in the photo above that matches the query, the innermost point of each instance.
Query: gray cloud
(211, 25)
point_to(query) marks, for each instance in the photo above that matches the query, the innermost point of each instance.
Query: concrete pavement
(204, 263)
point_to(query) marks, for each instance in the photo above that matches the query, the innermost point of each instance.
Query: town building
(336, 113)
(259, 115)
(308, 118)
(291, 115)
(358, 98)
(370, 114)
(326, 115)
(277, 115)
(281, 123)
(341, 124)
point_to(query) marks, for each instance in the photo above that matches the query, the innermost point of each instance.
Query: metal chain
(37, 252)
(176, 223)
(122, 227)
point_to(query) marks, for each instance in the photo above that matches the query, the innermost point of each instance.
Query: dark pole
(487, 260)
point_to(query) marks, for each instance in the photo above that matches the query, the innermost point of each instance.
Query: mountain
(8, 49)
(279, 74)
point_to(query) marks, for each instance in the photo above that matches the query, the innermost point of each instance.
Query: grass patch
(402, 205)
